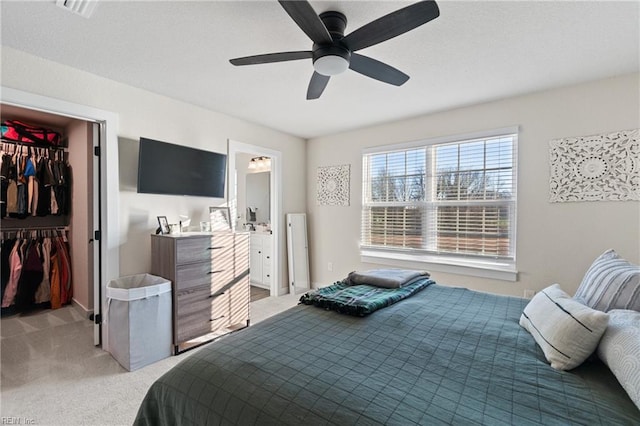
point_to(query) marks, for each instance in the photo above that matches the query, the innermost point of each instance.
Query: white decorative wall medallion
(595, 168)
(333, 185)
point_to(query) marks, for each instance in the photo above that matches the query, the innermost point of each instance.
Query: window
(451, 198)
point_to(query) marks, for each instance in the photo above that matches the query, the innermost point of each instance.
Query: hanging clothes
(43, 294)
(54, 278)
(5, 266)
(15, 266)
(4, 179)
(35, 271)
(45, 180)
(35, 182)
(30, 278)
(36, 265)
(66, 282)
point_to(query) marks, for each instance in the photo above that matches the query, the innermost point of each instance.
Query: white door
(298, 252)
(95, 242)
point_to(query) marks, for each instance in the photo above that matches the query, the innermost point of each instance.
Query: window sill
(486, 269)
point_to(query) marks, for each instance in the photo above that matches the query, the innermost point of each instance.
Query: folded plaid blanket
(361, 299)
(389, 278)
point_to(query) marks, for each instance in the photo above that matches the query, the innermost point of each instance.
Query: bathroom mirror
(258, 197)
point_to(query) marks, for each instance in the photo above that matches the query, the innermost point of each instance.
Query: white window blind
(456, 198)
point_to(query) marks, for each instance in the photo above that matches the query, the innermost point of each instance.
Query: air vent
(83, 8)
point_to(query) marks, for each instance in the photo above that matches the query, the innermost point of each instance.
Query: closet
(47, 217)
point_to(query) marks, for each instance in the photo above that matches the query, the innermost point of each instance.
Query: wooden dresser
(209, 273)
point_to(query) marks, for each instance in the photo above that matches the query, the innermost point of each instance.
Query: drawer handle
(215, 319)
(216, 294)
(214, 272)
(214, 248)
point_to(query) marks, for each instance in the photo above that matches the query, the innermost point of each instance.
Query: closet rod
(38, 228)
(6, 233)
(33, 144)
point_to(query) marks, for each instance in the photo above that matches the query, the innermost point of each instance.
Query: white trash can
(139, 320)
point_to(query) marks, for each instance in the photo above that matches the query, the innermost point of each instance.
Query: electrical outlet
(528, 293)
(330, 266)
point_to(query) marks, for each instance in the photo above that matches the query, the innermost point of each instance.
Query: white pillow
(566, 330)
(620, 350)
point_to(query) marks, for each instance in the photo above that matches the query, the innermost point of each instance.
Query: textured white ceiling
(475, 51)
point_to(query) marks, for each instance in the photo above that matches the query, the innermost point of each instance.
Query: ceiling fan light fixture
(330, 65)
(333, 52)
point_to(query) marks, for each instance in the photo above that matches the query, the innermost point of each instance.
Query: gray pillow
(610, 283)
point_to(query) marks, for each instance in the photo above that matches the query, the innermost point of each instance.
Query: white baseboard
(85, 311)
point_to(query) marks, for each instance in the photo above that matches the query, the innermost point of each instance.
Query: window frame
(489, 267)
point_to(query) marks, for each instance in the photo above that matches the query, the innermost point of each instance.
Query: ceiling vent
(83, 8)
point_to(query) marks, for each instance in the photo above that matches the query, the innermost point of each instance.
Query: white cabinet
(260, 260)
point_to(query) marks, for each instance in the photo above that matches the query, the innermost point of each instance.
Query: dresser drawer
(196, 327)
(199, 312)
(190, 250)
(198, 274)
(202, 299)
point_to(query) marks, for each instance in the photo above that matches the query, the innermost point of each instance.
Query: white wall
(555, 242)
(142, 113)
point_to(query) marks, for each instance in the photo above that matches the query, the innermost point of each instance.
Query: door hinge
(96, 151)
(96, 235)
(97, 318)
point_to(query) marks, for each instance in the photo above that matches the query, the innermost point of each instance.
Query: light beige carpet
(51, 374)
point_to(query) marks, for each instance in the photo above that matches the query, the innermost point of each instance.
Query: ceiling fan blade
(316, 85)
(272, 57)
(377, 70)
(392, 25)
(308, 20)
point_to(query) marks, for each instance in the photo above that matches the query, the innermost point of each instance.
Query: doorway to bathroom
(254, 197)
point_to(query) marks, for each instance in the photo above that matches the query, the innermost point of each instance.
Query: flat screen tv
(165, 168)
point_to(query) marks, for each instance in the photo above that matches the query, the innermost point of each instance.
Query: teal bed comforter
(445, 356)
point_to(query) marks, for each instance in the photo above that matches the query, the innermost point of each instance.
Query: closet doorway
(108, 251)
(71, 230)
(254, 196)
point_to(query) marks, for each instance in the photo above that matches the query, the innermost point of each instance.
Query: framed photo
(220, 218)
(164, 225)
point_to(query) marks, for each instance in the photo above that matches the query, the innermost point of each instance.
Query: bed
(443, 356)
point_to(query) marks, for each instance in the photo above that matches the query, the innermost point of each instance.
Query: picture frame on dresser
(220, 218)
(164, 225)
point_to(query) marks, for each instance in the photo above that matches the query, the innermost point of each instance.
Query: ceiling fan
(333, 52)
